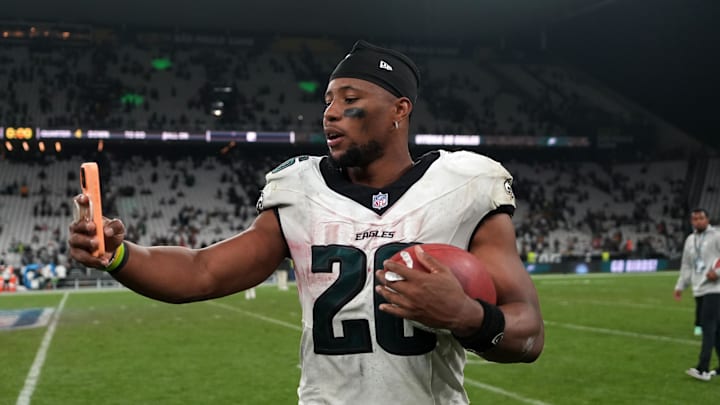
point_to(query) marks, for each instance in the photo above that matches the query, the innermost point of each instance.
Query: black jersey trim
(337, 180)
(276, 211)
(503, 209)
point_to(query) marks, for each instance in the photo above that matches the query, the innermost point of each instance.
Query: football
(467, 268)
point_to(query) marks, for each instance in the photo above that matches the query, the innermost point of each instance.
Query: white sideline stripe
(34, 374)
(474, 383)
(622, 333)
(254, 315)
(501, 391)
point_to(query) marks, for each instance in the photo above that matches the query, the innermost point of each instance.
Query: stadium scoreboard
(39, 134)
(26, 133)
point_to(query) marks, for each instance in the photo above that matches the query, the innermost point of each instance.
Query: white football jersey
(339, 233)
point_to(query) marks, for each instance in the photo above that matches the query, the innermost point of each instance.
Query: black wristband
(491, 331)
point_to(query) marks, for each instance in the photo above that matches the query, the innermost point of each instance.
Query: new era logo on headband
(385, 65)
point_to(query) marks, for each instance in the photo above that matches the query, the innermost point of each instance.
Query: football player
(340, 217)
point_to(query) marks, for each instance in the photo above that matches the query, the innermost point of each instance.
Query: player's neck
(382, 172)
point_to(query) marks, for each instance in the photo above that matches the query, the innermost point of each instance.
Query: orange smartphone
(90, 184)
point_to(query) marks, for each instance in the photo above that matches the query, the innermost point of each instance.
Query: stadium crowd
(191, 198)
(564, 209)
(274, 85)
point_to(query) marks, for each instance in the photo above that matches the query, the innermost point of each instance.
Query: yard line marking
(501, 391)
(619, 304)
(574, 281)
(472, 382)
(622, 333)
(34, 374)
(479, 362)
(550, 276)
(60, 291)
(258, 316)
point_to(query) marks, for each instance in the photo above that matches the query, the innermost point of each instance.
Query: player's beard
(358, 155)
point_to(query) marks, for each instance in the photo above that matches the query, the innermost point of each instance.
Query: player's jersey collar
(377, 200)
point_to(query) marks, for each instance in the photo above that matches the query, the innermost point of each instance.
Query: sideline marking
(622, 333)
(501, 391)
(258, 316)
(625, 304)
(549, 276)
(34, 374)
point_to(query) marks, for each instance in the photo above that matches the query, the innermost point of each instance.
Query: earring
(396, 124)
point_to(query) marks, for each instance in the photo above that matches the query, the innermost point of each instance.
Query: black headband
(387, 68)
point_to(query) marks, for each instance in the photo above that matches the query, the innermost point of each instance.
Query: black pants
(710, 322)
(698, 305)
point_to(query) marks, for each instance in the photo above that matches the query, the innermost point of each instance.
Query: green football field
(610, 339)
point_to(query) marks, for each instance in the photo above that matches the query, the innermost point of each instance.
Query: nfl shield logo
(380, 201)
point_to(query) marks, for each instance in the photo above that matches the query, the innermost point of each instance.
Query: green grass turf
(610, 339)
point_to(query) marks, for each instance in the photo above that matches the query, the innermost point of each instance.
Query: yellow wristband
(119, 258)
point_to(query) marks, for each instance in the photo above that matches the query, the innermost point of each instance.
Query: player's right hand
(82, 240)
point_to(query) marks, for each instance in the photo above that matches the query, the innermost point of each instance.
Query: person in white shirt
(699, 270)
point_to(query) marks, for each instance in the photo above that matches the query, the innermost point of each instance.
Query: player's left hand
(711, 275)
(435, 299)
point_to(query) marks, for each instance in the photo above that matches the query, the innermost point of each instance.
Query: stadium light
(41, 146)
(221, 100)
(8, 146)
(217, 108)
(161, 63)
(58, 147)
(25, 146)
(101, 145)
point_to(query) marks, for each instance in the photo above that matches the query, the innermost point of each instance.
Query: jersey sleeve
(501, 193)
(488, 178)
(283, 185)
